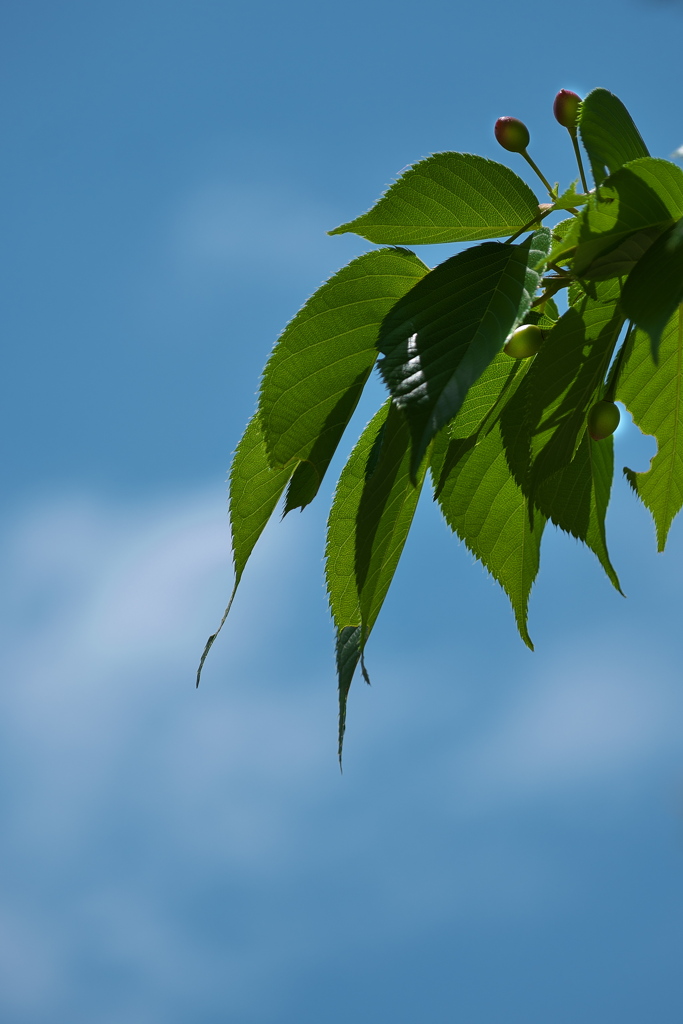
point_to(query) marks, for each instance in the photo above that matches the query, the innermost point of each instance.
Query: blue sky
(506, 842)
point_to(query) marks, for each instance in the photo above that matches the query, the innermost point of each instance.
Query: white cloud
(136, 798)
(577, 725)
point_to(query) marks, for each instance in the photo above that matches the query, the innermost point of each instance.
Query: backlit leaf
(320, 364)
(608, 133)
(255, 489)
(571, 198)
(371, 515)
(576, 498)
(449, 197)
(482, 504)
(653, 394)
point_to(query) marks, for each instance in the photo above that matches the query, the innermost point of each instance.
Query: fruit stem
(535, 220)
(552, 286)
(577, 152)
(551, 191)
(613, 378)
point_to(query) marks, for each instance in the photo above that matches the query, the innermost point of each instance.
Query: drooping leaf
(576, 498)
(543, 422)
(644, 194)
(654, 288)
(440, 337)
(482, 504)
(449, 197)
(488, 396)
(320, 364)
(653, 394)
(371, 515)
(255, 489)
(608, 133)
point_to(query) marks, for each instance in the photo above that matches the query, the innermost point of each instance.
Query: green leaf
(488, 396)
(543, 422)
(371, 515)
(618, 263)
(576, 498)
(654, 288)
(482, 504)
(255, 489)
(440, 337)
(449, 197)
(319, 366)
(571, 198)
(653, 394)
(644, 194)
(565, 235)
(608, 133)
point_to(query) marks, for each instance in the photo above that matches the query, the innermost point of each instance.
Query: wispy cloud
(176, 837)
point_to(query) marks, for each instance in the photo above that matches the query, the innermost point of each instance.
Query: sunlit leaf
(482, 504)
(449, 197)
(653, 394)
(319, 366)
(488, 395)
(608, 133)
(371, 515)
(255, 489)
(571, 198)
(642, 195)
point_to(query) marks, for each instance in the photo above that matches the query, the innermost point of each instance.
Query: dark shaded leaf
(440, 337)
(576, 498)
(654, 288)
(543, 422)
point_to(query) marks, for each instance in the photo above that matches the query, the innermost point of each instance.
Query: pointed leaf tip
(448, 197)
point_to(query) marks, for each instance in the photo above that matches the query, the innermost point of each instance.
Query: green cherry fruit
(603, 420)
(524, 342)
(566, 108)
(512, 134)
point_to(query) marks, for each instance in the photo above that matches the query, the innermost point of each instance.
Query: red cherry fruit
(603, 420)
(524, 342)
(512, 134)
(566, 108)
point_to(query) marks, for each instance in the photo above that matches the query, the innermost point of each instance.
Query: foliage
(506, 443)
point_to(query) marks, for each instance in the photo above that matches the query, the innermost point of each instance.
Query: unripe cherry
(524, 342)
(512, 134)
(566, 108)
(603, 420)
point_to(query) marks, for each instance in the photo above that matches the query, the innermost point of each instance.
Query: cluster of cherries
(513, 135)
